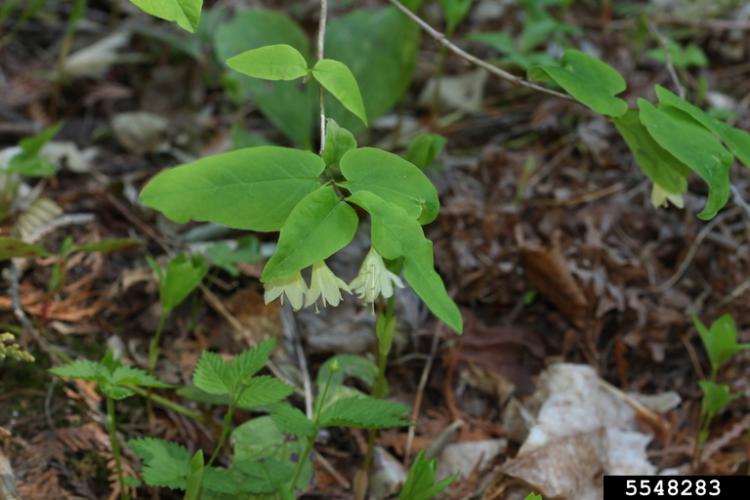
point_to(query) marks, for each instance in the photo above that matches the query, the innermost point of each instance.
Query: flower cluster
(374, 280)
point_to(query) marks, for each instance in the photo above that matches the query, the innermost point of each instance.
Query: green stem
(168, 404)
(153, 346)
(226, 427)
(115, 444)
(311, 438)
(379, 388)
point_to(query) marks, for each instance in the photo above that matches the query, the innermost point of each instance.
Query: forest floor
(547, 239)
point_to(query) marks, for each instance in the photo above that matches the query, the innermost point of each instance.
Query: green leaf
(691, 55)
(419, 272)
(424, 148)
(738, 141)
(252, 188)
(421, 483)
(195, 477)
(272, 62)
(287, 105)
(28, 162)
(720, 341)
(393, 179)
(380, 48)
(347, 365)
(454, 12)
(591, 81)
(338, 79)
(80, 369)
(186, 13)
(338, 142)
(694, 146)
(264, 476)
(247, 251)
(394, 235)
(115, 392)
(262, 391)
(319, 226)
(291, 421)
(182, 275)
(210, 374)
(12, 247)
(364, 412)
(533, 496)
(716, 398)
(248, 363)
(106, 246)
(165, 464)
(256, 439)
(127, 375)
(656, 162)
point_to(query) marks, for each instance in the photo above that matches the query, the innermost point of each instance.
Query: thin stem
(442, 39)
(225, 429)
(153, 346)
(168, 404)
(115, 444)
(311, 438)
(379, 388)
(321, 55)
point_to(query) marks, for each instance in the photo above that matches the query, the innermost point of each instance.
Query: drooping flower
(292, 286)
(374, 279)
(324, 285)
(661, 198)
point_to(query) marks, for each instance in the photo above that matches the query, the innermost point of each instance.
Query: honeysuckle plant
(315, 201)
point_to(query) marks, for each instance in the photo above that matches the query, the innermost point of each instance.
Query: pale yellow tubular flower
(374, 279)
(292, 286)
(662, 198)
(324, 285)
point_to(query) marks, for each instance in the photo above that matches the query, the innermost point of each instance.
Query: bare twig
(420, 392)
(739, 200)
(444, 41)
(694, 249)
(321, 54)
(663, 42)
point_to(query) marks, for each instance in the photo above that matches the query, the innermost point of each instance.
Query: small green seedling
(682, 57)
(28, 162)
(115, 382)
(226, 257)
(421, 483)
(720, 342)
(454, 11)
(533, 496)
(182, 275)
(69, 248)
(235, 381)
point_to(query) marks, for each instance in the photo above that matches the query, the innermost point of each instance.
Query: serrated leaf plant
(271, 453)
(115, 381)
(421, 483)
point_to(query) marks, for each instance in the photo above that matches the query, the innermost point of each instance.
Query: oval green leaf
(656, 162)
(393, 179)
(338, 79)
(320, 225)
(272, 62)
(251, 188)
(186, 13)
(591, 81)
(396, 234)
(694, 146)
(737, 140)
